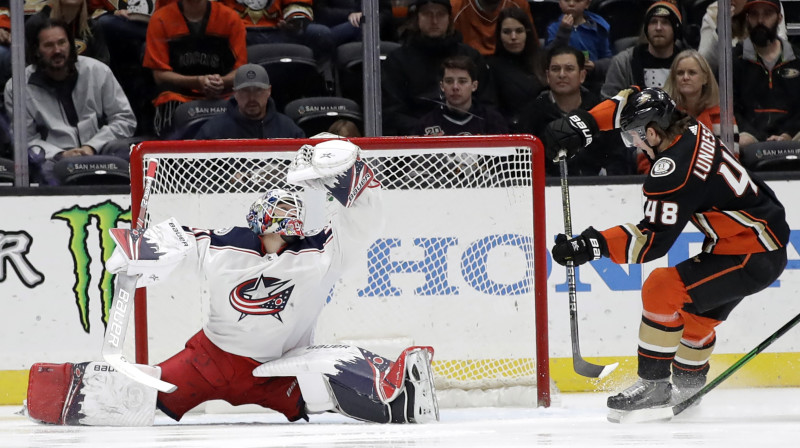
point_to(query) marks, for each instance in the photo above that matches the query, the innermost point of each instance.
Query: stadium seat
(316, 114)
(693, 12)
(6, 170)
(292, 71)
(189, 117)
(544, 13)
(349, 71)
(92, 170)
(771, 156)
(624, 43)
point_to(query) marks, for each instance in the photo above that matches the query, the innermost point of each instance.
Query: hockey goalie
(268, 283)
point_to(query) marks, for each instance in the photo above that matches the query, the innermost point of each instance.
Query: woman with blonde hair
(691, 84)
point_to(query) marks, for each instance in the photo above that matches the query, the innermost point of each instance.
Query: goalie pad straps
(89, 393)
(348, 186)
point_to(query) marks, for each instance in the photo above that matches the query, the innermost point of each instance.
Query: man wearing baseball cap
(647, 64)
(251, 113)
(766, 78)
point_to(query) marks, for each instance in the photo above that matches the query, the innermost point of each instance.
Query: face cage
(268, 217)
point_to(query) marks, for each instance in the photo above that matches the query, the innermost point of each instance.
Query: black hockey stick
(122, 303)
(581, 366)
(649, 415)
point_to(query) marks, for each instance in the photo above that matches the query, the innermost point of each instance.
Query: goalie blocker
(344, 379)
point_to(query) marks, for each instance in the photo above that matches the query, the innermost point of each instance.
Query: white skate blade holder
(650, 415)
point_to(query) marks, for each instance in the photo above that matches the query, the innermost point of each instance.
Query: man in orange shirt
(193, 48)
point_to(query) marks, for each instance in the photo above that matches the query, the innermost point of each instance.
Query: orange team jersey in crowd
(220, 49)
(696, 179)
(478, 27)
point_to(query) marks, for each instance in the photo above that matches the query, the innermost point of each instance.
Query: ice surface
(726, 418)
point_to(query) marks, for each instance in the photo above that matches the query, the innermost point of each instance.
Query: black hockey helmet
(644, 107)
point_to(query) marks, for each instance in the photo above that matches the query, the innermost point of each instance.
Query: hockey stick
(581, 366)
(122, 303)
(649, 415)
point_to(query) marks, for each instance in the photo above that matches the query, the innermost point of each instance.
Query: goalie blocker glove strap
(588, 246)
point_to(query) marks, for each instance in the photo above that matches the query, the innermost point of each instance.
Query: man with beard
(75, 107)
(766, 78)
(251, 113)
(647, 64)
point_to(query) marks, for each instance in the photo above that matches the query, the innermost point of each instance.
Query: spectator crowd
(104, 74)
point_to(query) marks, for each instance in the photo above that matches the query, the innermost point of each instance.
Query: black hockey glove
(590, 245)
(571, 133)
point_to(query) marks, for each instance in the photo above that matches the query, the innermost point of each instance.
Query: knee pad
(663, 295)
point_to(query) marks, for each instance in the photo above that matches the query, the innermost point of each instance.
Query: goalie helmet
(651, 105)
(277, 211)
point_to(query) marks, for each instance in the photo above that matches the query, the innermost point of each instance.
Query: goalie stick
(580, 365)
(121, 305)
(666, 413)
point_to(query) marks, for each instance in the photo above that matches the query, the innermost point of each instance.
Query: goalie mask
(277, 211)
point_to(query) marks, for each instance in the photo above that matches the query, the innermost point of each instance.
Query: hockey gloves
(589, 245)
(570, 133)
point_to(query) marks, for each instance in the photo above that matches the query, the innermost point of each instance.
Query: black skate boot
(643, 394)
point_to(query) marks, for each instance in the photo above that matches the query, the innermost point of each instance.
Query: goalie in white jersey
(268, 284)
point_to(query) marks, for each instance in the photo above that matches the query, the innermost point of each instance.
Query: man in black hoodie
(410, 74)
(251, 112)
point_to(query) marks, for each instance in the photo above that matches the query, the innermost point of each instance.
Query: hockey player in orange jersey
(694, 178)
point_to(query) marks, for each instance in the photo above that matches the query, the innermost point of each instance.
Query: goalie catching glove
(335, 166)
(589, 245)
(570, 133)
(151, 253)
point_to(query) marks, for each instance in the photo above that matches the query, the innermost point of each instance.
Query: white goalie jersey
(262, 305)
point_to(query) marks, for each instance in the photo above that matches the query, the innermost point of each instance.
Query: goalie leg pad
(360, 384)
(89, 393)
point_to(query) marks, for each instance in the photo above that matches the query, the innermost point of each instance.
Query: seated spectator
(476, 20)
(89, 38)
(344, 17)
(691, 84)
(193, 48)
(460, 115)
(410, 74)
(251, 112)
(585, 31)
(566, 71)
(284, 21)
(74, 105)
(516, 64)
(647, 64)
(766, 85)
(709, 40)
(344, 128)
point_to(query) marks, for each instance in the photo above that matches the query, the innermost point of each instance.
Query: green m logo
(103, 216)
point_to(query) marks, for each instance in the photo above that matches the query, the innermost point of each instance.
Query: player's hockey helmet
(642, 108)
(277, 211)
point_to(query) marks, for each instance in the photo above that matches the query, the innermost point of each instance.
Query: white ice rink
(727, 418)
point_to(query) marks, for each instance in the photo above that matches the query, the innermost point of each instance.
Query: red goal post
(461, 265)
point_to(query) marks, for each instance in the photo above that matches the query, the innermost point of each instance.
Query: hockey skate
(422, 404)
(643, 394)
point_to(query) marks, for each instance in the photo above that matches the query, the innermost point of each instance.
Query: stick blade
(650, 415)
(587, 369)
(118, 362)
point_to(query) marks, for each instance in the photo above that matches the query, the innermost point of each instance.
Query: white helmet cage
(277, 211)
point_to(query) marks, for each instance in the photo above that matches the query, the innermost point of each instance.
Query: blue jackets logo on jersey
(261, 296)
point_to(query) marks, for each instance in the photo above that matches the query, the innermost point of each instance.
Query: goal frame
(141, 151)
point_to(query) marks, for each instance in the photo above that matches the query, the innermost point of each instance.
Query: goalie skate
(422, 403)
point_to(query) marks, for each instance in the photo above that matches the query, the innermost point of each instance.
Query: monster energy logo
(103, 216)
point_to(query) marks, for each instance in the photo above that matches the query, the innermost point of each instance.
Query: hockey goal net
(460, 266)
